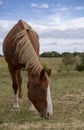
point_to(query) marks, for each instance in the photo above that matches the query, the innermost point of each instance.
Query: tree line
(57, 54)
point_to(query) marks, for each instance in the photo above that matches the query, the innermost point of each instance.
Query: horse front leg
(16, 106)
(31, 107)
(13, 73)
(19, 80)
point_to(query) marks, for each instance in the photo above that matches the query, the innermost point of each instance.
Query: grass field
(67, 87)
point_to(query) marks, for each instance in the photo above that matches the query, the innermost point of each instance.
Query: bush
(69, 59)
(80, 67)
(82, 58)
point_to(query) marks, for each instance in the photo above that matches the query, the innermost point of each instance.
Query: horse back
(8, 46)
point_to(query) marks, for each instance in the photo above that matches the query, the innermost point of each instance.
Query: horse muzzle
(44, 115)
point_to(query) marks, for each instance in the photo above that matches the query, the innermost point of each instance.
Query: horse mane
(26, 52)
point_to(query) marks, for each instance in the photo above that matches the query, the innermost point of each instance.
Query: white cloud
(79, 8)
(1, 2)
(34, 5)
(6, 24)
(64, 8)
(58, 8)
(58, 35)
(61, 23)
(41, 5)
(61, 35)
(76, 23)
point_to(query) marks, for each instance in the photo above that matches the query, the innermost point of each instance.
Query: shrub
(80, 67)
(82, 58)
(69, 59)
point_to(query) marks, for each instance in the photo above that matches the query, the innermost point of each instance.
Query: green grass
(67, 89)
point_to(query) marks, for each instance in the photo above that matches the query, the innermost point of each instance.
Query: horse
(21, 49)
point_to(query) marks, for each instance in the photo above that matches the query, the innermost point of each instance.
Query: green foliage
(68, 59)
(50, 54)
(1, 55)
(80, 67)
(65, 54)
(82, 58)
(57, 54)
(45, 67)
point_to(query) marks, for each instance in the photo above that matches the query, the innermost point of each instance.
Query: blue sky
(59, 23)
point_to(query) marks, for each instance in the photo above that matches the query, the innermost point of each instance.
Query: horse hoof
(15, 109)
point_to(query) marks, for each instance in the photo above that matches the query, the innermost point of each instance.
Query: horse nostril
(48, 114)
(44, 115)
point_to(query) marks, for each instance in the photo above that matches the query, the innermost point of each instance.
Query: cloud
(64, 8)
(61, 35)
(43, 5)
(79, 8)
(57, 8)
(40, 5)
(5, 26)
(60, 22)
(58, 35)
(1, 2)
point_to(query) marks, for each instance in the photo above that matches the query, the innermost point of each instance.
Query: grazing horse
(21, 49)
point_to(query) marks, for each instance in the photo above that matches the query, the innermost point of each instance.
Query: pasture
(67, 87)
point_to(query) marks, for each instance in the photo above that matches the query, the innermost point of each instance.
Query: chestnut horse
(21, 49)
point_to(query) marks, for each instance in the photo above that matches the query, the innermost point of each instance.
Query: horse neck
(35, 70)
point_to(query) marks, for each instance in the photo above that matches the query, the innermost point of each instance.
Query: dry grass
(67, 95)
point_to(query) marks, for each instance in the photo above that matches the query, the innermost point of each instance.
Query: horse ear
(49, 72)
(42, 73)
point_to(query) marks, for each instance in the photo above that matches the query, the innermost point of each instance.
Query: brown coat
(10, 54)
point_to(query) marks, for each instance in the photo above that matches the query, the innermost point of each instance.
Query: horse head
(39, 93)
